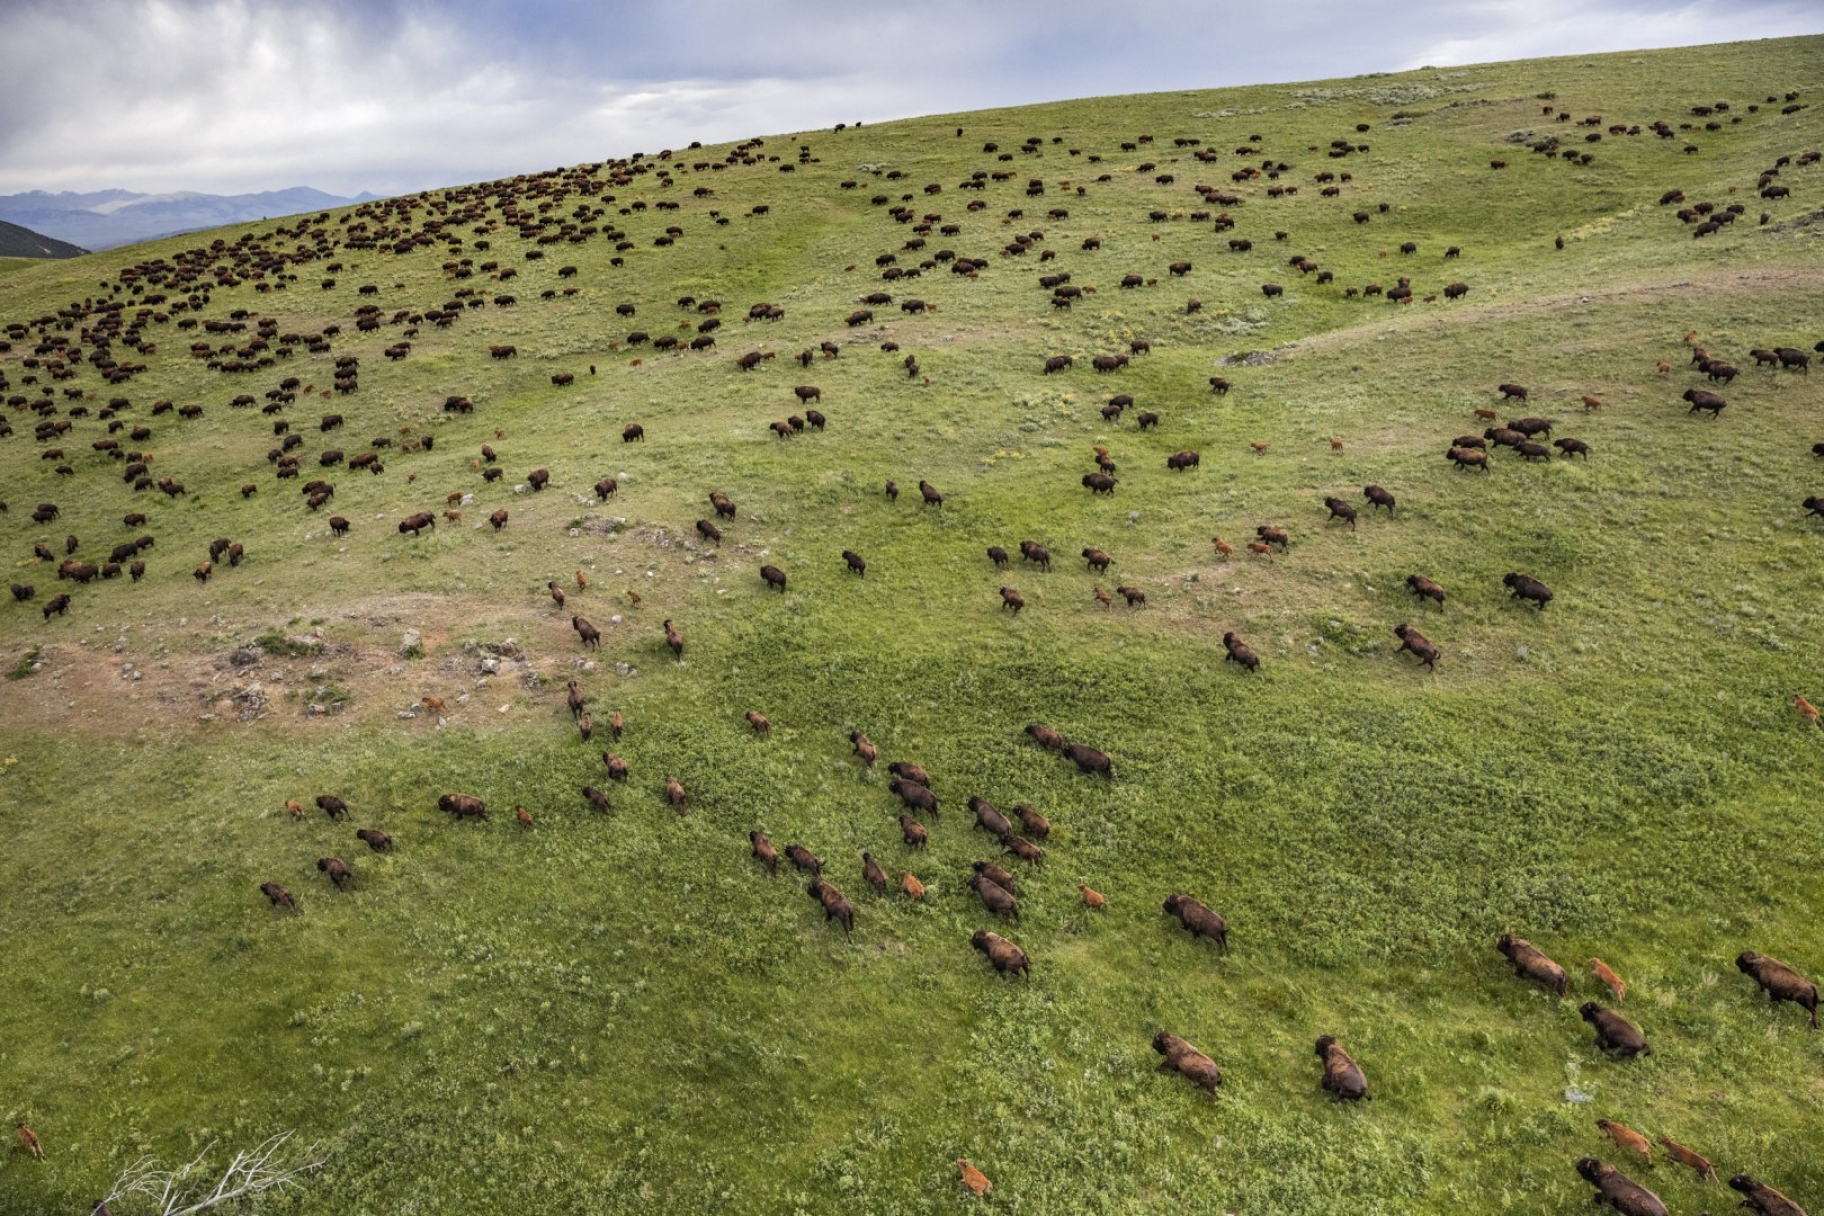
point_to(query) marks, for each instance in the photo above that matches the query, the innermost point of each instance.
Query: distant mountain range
(17, 242)
(102, 219)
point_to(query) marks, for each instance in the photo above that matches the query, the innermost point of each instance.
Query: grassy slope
(619, 1014)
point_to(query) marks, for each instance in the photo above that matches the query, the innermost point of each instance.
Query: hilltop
(619, 1009)
(17, 242)
(104, 219)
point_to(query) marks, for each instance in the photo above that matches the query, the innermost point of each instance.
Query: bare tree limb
(186, 1190)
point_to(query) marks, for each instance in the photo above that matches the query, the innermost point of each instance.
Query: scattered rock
(409, 641)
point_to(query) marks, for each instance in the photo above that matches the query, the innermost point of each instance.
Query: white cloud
(394, 95)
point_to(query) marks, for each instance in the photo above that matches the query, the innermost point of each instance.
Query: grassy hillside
(622, 1012)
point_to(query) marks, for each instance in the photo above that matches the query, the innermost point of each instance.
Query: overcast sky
(228, 96)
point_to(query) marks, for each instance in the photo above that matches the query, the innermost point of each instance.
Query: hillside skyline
(398, 97)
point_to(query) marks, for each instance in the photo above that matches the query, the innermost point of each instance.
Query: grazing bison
(1089, 760)
(1099, 483)
(836, 905)
(773, 576)
(597, 799)
(278, 896)
(989, 818)
(1530, 963)
(1182, 1058)
(1415, 642)
(1343, 1077)
(1180, 461)
(1270, 290)
(675, 797)
(709, 532)
(1468, 458)
(590, 635)
(418, 523)
(633, 432)
(1032, 821)
(764, 852)
(57, 606)
(855, 562)
(912, 831)
(1045, 737)
(1011, 599)
(1005, 956)
(23, 592)
(1057, 363)
(1526, 587)
(375, 839)
(606, 487)
(463, 806)
(498, 519)
(1780, 982)
(996, 898)
(1240, 652)
(929, 493)
(1619, 1191)
(1199, 919)
(1615, 1035)
(337, 869)
(1759, 1197)
(1703, 399)
(538, 479)
(724, 508)
(1425, 589)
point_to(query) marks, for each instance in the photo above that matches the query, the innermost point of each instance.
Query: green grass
(622, 1013)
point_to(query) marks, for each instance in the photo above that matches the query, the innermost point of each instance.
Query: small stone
(410, 640)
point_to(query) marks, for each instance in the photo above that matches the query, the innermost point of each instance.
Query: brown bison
(463, 806)
(1340, 510)
(375, 839)
(1703, 399)
(988, 817)
(418, 523)
(1780, 982)
(996, 898)
(1089, 760)
(1619, 1191)
(498, 519)
(1530, 963)
(1199, 919)
(1615, 1035)
(338, 871)
(1006, 957)
(1343, 1077)
(1378, 497)
(279, 896)
(764, 852)
(633, 432)
(929, 493)
(1182, 1058)
(1413, 641)
(1526, 587)
(1759, 1197)
(836, 905)
(590, 635)
(1425, 589)
(1240, 652)
(773, 576)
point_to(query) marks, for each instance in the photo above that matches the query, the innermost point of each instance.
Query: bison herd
(94, 336)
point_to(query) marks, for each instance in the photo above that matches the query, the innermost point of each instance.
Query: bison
(463, 806)
(1615, 1035)
(1343, 1077)
(590, 635)
(1526, 587)
(1006, 957)
(1415, 642)
(1425, 589)
(1182, 1058)
(1199, 920)
(1240, 652)
(1530, 963)
(1780, 982)
(1619, 1191)
(1703, 399)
